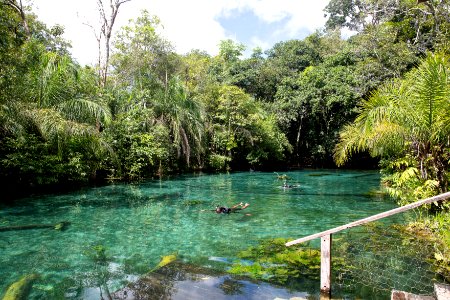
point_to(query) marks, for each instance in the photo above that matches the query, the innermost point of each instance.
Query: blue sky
(252, 31)
(193, 24)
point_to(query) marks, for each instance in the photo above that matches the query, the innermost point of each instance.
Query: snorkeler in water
(227, 210)
(288, 186)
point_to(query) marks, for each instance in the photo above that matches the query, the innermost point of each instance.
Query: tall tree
(284, 60)
(225, 65)
(183, 116)
(142, 59)
(358, 14)
(422, 24)
(243, 132)
(407, 117)
(20, 9)
(58, 108)
(194, 71)
(107, 24)
(313, 107)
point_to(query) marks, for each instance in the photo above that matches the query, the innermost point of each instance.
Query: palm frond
(351, 140)
(58, 130)
(84, 110)
(381, 106)
(404, 116)
(12, 119)
(379, 139)
(182, 114)
(429, 97)
(386, 138)
(56, 80)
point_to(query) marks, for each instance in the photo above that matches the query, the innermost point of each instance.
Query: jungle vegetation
(378, 96)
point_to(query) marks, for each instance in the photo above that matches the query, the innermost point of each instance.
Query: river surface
(134, 225)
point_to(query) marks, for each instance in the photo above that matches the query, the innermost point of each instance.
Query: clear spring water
(137, 224)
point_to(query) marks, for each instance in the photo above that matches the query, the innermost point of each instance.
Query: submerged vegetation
(21, 289)
(322, 101)
(272, 261)
(373, 255)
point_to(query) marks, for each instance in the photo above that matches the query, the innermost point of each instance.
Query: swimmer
(227, 210)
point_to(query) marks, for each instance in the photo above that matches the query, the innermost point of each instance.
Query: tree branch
(19, 8)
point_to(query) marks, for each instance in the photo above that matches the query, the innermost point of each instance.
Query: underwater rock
(57, 226)
(193, 202)
(219, 259)
(319, 174)
(442, 291)
(20, 290)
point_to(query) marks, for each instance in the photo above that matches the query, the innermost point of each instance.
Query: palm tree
(406, 116)
(57, 108)
(182, 115)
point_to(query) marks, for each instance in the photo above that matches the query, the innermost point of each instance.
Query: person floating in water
(227, 210)
(288, 186)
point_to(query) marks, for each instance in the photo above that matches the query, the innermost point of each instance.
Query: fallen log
(57, 226)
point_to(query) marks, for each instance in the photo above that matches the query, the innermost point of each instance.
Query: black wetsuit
(224, 210)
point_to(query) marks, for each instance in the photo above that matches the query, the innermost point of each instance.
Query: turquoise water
(137, 224)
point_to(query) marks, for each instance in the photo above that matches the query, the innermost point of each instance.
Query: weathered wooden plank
(382, 215)
(325, 265)
(442, 291)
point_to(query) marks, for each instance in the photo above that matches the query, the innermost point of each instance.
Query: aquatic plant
(382, 257)
(61, 225)
(282, 177)
(135, 264)
(376, 193)
(192, 202)
(165, 260)
(20, 290)
(271, 260)
(97, 253)
(431, 233)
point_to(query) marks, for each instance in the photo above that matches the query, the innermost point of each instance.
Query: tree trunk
(440, 169)
(106, 29)
(20, 10)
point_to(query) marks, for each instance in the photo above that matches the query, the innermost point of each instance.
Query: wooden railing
(326, 238)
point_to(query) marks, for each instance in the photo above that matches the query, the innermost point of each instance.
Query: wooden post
(325, 267)
(325, 237)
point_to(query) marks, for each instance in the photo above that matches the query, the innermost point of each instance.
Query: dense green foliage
(407, 123)
(383, 92)
(160, 112)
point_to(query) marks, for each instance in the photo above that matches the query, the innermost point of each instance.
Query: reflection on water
(184, 281)
(120, 232)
